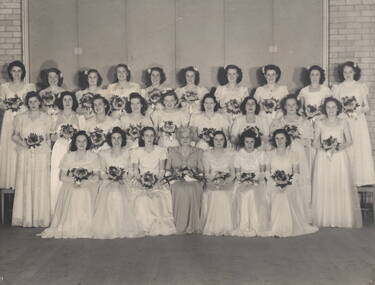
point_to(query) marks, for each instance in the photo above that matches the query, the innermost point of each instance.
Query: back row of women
(261, 155)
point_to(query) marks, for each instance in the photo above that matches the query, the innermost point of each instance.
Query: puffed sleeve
(257, 94)
(284, 91)
(364, 90)
(302, 93)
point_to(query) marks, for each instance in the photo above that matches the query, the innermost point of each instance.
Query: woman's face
(331, 109)
(53, 78)
(135, 105)
(169, 102)
(92, 78)
(209, 105)
(271, 76)
(67, 102)
(34, 104)
(155, 77)
(232, 75)
(121, 73)
(190, 77)
(149, 137)
(315, 76)
(291, 106)
(219, 141)
(99, 106)
(16, 72)
(81, 142)
(348, 73)
(280, 140)
(250, 106)
(116, 140)
(249, 143)
(185, 138)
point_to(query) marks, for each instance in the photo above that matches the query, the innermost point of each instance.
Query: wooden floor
(331, 256)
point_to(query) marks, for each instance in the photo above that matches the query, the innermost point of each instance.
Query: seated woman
(186, 171)
(218, 198)
(79, 172)
(113, 217)
(151, 200)
(287, 216)
(251, 208)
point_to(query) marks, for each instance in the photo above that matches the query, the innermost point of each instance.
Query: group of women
(128, 162)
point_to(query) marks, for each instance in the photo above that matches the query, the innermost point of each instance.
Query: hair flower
(195, 68)
(149, 71)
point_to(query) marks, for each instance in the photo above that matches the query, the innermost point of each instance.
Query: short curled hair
(209, 95)
(163, 77)
(52, 70)
(211, 143)
(19, 64)
(116, 130)
(354, 66)
(321, 71)
(128, 73)
(280, 131)
(224, 80)
(85, 81)
(272, 67)
(30, 95)
(73, 143)
(141, 141)
(331, 99)
(244, 102)
(105, 101)
(196, 75)
(59, 101)
(135, 95)
(168, 93)
(285, 99)
(249, 134)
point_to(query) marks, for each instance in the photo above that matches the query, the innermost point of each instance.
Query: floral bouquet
(154, 96)
(79, 174)
(189, 97)
(311, 111)
(292, 131)
(169, 128)
(134, 131)
(33, 140)
(86, 101)
(207, 134)
(282, 179)
(14, 104)
(247, 177)
(67, 131)
(115, 173)
(350, 106)
(270, 105)
(117, 103)
(185, 174)
(233, 107)
(329, 145)
(48, 99)
(97, 138)
(220, 176)
(148, 180)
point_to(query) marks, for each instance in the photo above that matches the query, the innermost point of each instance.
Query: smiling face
(249, 144)
(348, 73)
(121, 73)
(81, 142)
(16, 72)
(219, 141)
(271, 76)
(67, 102)
(99, 106)
(232, 75)
(53, 78)
(34, 104)
(169, 102)
(209, 105)
(149, 137)
(135, 105)
(116, 140)
(250, 106)
(331, 109)
(280, 140)
(155, 77)
(315, 77)
(190, 77)
(291, 106)
(92, 79)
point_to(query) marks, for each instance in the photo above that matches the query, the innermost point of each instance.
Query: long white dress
(133, 127)
(75, 205)
(360, 153)
(217, 200)
(8, 157)
(114, 216)
(190, 99)
(152, 207)
(31, 206)
(98, 131)
(251, 207)
(230, 99)
(335, 199)
(287, 215)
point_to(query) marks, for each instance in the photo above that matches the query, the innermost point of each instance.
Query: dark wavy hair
(85, 79)
(30, 95)
(209, 95)
(249, 134)
(54, 70)
(168, 93)
(116, 130)
(271, 67)
(105, 101)
(73, 143)
(128, 72)
(18, 64)
(354, 66)
(59, 101)
(163, 77)
(211, 143)
(285, 99)
(321, 71)
(244, 102)
(183, 75)
(280, 131)
(135, 95)
(141, 141)
(331, 99)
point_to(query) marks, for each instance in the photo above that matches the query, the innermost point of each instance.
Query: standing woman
(190, 94)
(118, 92)
(206, 123)
(230, 94)
(270, 94)
(185, 165)
(135, 119)
(354, 97)
(31, 133)
(335, 199)
(79, 172)
(12, 96)
(151, 200)
(53, 80)
(155, 78)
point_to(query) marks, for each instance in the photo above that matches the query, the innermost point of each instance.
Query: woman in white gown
(354, 97)
(335, 199)
(190, 94)
(12, 96)
(217, 201)
(114, 217)
(251, 207)
(68, 122)
(152, 201)
(79, 172)
(287, 215)
(31, 133)
(53, 80)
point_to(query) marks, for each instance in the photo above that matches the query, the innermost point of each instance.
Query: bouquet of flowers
(255, 129)
(67, 131)
(282, 179)
(154, 96)
(311, 111)
(97, 138)
(185, 174)
(270, 105)
(115, 173)
(48, 99)
(329, 145)
(148, 180)
(189, 97)
(134, 131)
(350, 106)
(247, 177)
(233, 107)
(79, 174)
(13, 104)
(169, 128)
(117, 103)
(33, 140)
(86, 101)
(207, 134)
(292, 131)
(220, 176)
